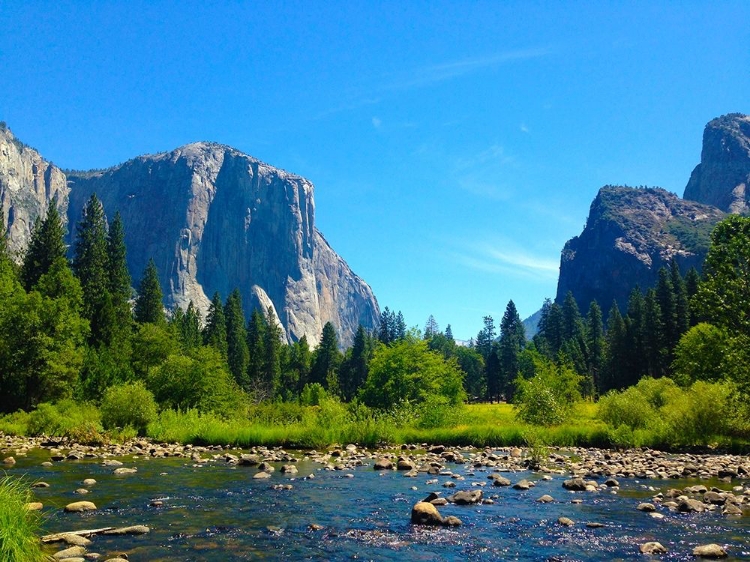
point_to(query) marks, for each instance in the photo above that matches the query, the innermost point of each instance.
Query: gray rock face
(213, 219)
(722, 178)
(629, 235)
(28, 185)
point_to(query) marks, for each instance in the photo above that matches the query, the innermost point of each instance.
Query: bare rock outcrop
(629, 235)
(28, 185)
(722, 178)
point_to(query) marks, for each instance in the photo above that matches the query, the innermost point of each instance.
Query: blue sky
(454, 146)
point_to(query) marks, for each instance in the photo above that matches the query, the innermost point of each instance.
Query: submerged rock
(709, 551)
(652, 548)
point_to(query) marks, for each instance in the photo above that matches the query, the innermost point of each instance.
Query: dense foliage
(75, 333)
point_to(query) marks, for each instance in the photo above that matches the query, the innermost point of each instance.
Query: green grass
(19, 541)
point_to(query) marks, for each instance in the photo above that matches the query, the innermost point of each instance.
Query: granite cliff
(722, 178)
(631, 233)
(28, 185)
(213, 219)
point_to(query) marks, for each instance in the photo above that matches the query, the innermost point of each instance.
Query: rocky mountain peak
(722, 178)
(213, 219)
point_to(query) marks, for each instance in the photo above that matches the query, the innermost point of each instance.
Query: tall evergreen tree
(667, 301)
(682, 300)
(595, 343)
(636, 338)
(512, 342)
(431, 327)
(655, 336)
(551, 331)
(237, 352)
(119, 277)
(399, 327)
(353, 372)
(148, 304)
(449, 332)
(215, 331)
(492, 375)
(296, 372)
(572, 322)
(387, 329)
(272, 363)
(187, 326)
(326, 360)
(616, 364)
(692, 281)
(256, 345)
(47, 244)
(485, 337)
(92, 267)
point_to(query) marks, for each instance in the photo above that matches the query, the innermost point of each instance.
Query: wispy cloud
(377, 122)
(524, 128)
(505, 258)
(441, 72)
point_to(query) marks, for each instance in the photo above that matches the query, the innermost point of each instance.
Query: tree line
(75, 327)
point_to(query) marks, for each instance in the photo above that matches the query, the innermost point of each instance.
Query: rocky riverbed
(448, 501)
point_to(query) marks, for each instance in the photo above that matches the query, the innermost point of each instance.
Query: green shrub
(549, 396)
(128, 404)
(78, 421)
(18, 526)
(16, 423)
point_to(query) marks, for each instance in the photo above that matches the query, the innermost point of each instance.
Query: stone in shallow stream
(652, 548)
(78, 507)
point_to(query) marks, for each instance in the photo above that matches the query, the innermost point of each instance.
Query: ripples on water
(216, 512)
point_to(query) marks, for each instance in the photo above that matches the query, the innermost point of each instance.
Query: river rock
(566, 522)
(424, 513)
(72, 552)
(78, 507)
(498, 480)
(75, 540)
(647, 507)
(383, 464)
(709, 551)
(124, 470)
(652, 548)
(523, 485)
(261, 476)
(574, 484)
(89, 482)
(546, 498)
(40, 485)
(466, 497)
(37, 506)
(689, 505)
(404, 464)
(9, 461)
(452, 521)
(289, 469)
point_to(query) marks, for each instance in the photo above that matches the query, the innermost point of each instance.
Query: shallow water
(218, 512)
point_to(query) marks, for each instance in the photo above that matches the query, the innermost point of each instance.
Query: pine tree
(636, 339)
(431, 327)
(485, 337)
(492, 373)
(692, 281)
(616, 362)
(148, 304)
(595, 344)
(215, 332)
(326, 360)
(551, 332)
(572, 322)
(353, 372)
(682, 306)
(399, 327)
(92, 267)
(512, 342)
(667, 301)
(655, 336)
(237, 352)
(272, 360)
(386, 330)
(119, 277)
(47, 244)
(449, 332)
(256, 342)
(187, 326)
(296, 372)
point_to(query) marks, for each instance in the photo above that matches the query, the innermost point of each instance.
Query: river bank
(219, 503)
